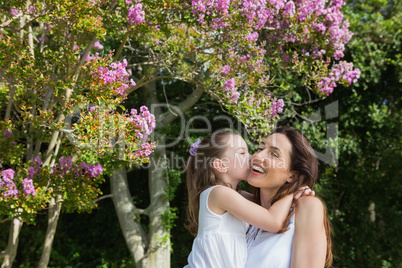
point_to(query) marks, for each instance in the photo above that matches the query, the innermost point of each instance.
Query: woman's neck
(266, 196)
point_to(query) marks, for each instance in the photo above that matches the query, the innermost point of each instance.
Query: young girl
(217, 213)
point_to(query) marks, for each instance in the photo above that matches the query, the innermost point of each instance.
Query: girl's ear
(218, 165)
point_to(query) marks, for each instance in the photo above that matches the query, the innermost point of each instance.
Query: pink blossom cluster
(144, 122)
(35, 165)
(252, 37)
(230, 88)
(341, 71)
(135, 14)
(258, 11)
(8, 134)
(326, 85)
(92, 171)
(27, 183)
(290, 9)
(322, 16)
(98, 45)
(146, 150)
(254, 10)
(32, 9)
(201, 8)
(277, 107)
(218, 23)
(116, 73)
(14, 12)
(65, 166)
(7, 185)
(225, 70)
(92, 56)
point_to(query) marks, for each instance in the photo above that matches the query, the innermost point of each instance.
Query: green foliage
(174, 180)
(362, 192)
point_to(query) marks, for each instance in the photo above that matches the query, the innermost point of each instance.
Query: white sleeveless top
(220, 241)
(270, 250)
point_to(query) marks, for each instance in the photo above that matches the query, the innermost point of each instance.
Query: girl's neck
(266, 196)
(230, 181)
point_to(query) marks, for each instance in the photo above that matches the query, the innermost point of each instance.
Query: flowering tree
(48, 80)
(246, 54)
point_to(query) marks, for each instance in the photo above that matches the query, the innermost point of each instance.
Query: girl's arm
(309, 242)
(248, 196)
(222, 199)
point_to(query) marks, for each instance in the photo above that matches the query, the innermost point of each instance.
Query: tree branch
(9, 219)
(123, 42)
(140, 211)
(144, 82)
(184, 106)
(102, 197)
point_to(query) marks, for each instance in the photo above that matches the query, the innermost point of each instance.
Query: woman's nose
(255, 158)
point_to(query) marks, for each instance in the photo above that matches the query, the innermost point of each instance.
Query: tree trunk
(11, 250)
(53, 218)
(159, 243)
(131, 228)
(159, 235)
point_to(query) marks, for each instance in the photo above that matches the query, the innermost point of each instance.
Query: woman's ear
(218, 165)
(293, 176)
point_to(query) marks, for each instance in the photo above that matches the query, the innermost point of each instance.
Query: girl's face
(270, 164)
(236, 158)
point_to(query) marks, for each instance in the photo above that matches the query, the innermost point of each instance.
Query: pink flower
(32, 9)
(290, 9)
(14, 12)
(252, 37)
(136, 15)
(225, 70)
(229, 85)
(8, 133)
(98, 45)
(277, 107)
(29, 189)
(8, 174)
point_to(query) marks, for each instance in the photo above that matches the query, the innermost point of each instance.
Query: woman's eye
(274, 154)
(260, 149)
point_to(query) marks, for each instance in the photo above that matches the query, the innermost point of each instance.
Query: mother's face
(270, 164)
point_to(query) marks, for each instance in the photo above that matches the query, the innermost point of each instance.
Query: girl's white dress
(270, 250)
(220, 241)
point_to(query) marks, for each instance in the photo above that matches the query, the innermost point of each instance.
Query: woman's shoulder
(309, 211)
(309, 203)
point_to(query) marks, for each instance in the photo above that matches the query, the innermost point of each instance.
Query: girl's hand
(303, 191)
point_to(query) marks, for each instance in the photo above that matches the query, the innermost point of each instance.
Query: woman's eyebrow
(275, 148)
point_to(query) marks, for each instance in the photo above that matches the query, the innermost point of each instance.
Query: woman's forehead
(279, 141)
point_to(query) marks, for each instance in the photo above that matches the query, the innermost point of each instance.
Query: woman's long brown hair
(200, 173)
(305, 164)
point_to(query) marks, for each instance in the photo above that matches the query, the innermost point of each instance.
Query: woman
(284, 162)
